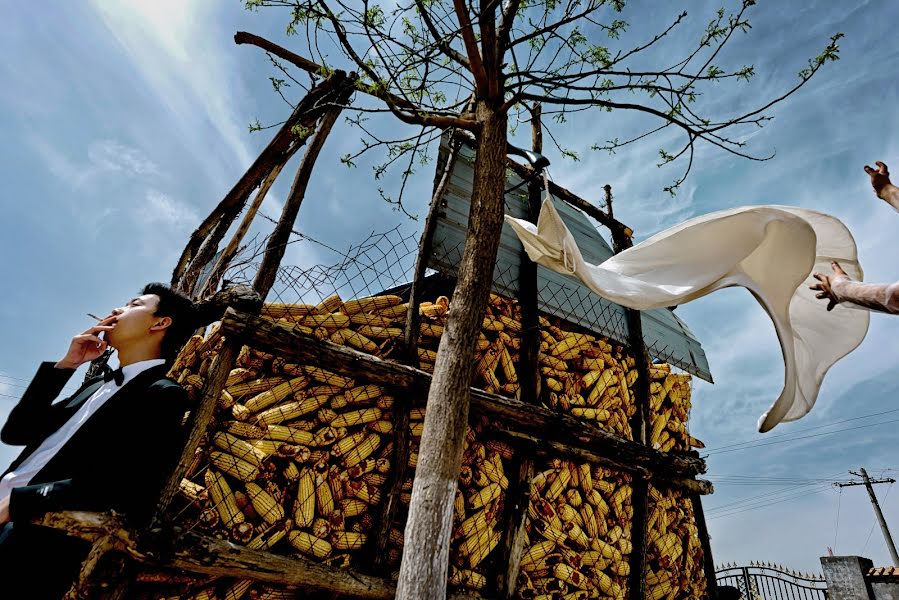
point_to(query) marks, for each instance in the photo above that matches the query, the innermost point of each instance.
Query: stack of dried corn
(578, 527)
(296, 459)
(669, 410)
(674, 567)
(582, 374)
(478, 506)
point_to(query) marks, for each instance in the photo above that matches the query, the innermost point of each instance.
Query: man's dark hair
(180, 309)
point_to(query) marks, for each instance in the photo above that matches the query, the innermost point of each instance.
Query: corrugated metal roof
(667, 337)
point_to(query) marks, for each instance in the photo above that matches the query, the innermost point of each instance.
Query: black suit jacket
(118, 460)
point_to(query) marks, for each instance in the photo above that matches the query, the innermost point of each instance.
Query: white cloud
(110, 155)
(103, 157)
(175, 48)
(160, 209)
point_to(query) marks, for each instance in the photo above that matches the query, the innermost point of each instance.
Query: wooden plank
(200, 417)
(535, 425)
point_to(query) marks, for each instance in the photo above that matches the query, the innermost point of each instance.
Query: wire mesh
(579, 526)
(674, 555)
(381, 261)
(296, 459)
(478, 507)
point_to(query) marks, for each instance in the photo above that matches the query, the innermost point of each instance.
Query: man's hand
(880, 181)
(87, 346)
(825, 287)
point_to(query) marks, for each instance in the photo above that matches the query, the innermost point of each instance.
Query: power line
(803, 437)
(803, 494)
(792, 433)
(792, 489)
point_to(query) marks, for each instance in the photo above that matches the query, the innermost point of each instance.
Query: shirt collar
(134, 369)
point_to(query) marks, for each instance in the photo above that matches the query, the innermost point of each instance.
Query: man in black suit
(109, 446)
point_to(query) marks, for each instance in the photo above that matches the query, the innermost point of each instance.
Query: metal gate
(765, 581)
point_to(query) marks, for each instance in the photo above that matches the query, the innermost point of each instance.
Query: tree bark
(423, 571)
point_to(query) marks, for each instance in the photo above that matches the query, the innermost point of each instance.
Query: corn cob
(324, 498)
(275, 310)
(291, 410)
(467, 578)
(331, 321)
(373, 303)
(239, 448)
(187, 354)
(264, 504)
(357, 340)
(233, 466)
(254, 386)
(357, 417)
(493, 469)
(275, 394)
(475, 549)
(479, 498)
(394, 312)
(362, 451)
(223, 499)
(309, 544)
(193, 492)
(347, 540)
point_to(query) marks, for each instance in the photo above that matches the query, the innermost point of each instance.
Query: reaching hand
(87, 346)
(880, 177)
(825, 287)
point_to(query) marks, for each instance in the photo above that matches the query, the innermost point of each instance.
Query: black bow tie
(116, 375)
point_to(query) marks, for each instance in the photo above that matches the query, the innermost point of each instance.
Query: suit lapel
(82, 396)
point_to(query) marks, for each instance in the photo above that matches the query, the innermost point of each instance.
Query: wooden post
(205, 239)
(413, 319)
(234, 244)
(200, 417)
(518, 497)
(639, 423)
(708, 564)
(277, 243)
(423, 571)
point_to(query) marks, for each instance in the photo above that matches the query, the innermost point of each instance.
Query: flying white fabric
(769, 250)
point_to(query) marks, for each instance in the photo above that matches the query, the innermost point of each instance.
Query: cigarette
(95, 317)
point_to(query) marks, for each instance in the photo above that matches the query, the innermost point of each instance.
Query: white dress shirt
(32, 465)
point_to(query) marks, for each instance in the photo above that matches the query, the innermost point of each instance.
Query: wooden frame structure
(532, 429)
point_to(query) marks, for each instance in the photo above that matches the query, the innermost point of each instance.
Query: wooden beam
(200, 417)
(277, 242)
(413, 318)
(203, 555)
(204, 240)
(197, 553)
(535, 425)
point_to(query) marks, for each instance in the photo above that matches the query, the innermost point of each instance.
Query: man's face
(134, 321)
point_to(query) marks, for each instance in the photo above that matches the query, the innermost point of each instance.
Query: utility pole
(869, 485)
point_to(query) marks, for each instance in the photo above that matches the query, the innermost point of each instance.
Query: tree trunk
(423, 572)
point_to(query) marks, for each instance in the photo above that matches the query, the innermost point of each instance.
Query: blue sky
(124, 122)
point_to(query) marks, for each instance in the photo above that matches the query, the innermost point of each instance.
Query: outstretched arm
(838, 287)
(880, 181)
